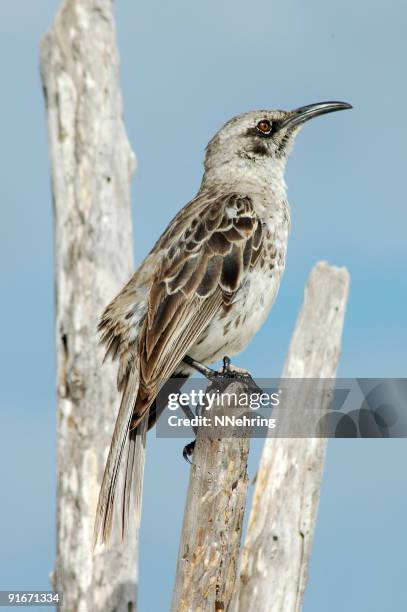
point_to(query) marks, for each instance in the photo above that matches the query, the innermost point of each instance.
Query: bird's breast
(235, 325)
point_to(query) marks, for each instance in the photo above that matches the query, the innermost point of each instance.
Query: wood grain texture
(92, 165)
(277, 549)
(211, 532)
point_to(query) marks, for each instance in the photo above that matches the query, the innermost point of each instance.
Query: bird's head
(261, 138)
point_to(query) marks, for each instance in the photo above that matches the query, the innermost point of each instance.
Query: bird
(207, 285)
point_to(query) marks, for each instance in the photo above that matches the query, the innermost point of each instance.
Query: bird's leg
(189, 448)
(226, 364)
(227, 371)
(200, 367)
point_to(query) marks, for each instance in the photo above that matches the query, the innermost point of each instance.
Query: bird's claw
(188, 451)
(230, 371)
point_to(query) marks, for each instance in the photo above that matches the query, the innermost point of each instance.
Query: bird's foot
(227, 372)
(188, 451)
(231, 371)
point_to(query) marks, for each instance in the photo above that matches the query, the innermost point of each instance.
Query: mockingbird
(209, 282)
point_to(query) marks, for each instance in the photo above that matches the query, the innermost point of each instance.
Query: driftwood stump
(276, 553)
(209, 549)
(92, 165)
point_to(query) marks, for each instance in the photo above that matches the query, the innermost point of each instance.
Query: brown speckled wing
(205, 262)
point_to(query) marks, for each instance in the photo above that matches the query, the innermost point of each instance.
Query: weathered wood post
(92, 165)
(210, 541)
(276, 553)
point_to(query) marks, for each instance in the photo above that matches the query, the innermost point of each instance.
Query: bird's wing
(205, 263)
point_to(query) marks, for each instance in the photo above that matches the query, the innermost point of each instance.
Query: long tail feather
(104, 511)
(132, 436)
(133, 485)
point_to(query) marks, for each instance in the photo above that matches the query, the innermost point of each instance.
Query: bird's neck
(261, 178)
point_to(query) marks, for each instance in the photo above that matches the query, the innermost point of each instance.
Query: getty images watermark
(286, 408)
(221, 408)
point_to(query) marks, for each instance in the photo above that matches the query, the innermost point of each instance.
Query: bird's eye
(264, 127)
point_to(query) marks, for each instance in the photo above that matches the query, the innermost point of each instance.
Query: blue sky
(193, 66)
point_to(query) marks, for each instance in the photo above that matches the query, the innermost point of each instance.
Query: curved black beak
(304, 113)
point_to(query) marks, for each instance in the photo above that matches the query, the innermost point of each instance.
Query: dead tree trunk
(276, 554)
(211, 532)
(92, 164)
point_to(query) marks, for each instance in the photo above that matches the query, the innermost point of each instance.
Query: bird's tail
(147, 411)
(104, 511)
(138, 412)
(133, 485)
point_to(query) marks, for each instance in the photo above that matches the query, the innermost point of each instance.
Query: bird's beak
(304, 113)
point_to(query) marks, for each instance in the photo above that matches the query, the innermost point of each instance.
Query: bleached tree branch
(276, 553)
(211, 533)
(92, 165)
